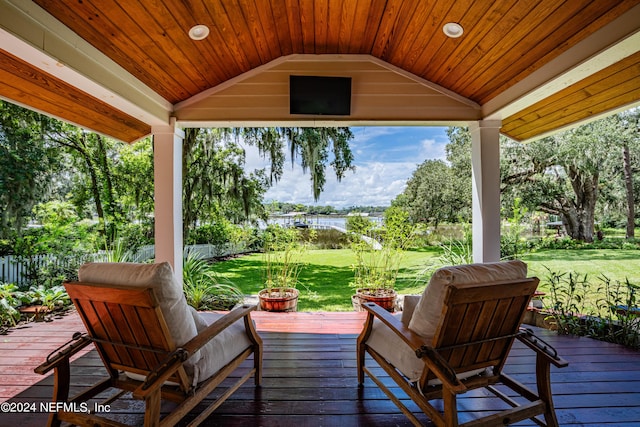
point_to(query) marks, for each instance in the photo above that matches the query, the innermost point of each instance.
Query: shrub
(54, 297)
(569, 243)
(204, 290)
(9, 304)
(608, 318)
(380, 250)
(283, 252)
(326, 239)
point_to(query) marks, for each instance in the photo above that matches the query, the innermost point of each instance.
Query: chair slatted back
(478, 323)
(128, 327)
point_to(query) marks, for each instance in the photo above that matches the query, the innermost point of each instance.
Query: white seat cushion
(390, 346)
(426, 315)
(222, 349)
(183, 321)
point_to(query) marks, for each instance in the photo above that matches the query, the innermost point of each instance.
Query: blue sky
(385, 157)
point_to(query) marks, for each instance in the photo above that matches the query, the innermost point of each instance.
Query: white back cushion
(166, 288)
(426, 315)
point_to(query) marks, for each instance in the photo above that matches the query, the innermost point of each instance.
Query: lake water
(321, 220)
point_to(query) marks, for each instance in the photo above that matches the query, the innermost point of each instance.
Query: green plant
(116, 251)
(54, 297)
(9, 303)
(511, 243)
(380, 251)
(204, 289)
(610, 316)
(283, 249)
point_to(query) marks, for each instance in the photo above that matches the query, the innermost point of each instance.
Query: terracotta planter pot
(279, 299)
(385, 298)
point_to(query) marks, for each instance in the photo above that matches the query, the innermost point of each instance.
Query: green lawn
(617, 264)
(328, 272)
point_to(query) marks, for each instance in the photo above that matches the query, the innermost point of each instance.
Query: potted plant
(379, 252)
(283, 250)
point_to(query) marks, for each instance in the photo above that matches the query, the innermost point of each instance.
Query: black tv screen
(320, 95)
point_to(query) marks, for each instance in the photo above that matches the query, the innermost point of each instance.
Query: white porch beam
(485, 165)
(167, 163)
(30, 33)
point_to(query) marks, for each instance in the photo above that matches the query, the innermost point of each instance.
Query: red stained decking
(310, 377)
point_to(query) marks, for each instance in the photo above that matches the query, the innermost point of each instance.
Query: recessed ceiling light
(453, 29)
(199, 32)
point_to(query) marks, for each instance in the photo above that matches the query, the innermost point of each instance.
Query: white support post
(485, 161)
(167, 161)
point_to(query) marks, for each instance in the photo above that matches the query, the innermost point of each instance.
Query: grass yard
(616, 264)
(326, 276)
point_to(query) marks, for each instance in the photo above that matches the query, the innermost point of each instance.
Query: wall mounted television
(320, 95)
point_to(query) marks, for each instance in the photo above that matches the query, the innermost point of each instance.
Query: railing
(17, 269)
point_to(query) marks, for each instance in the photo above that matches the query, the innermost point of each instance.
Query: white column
(485, 165)
(167, 162)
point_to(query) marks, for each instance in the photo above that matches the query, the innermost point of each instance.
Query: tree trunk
(579, 217)
(628, 182)
(109, 198)
(188, 215)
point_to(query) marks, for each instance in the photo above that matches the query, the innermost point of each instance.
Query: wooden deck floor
(310, 377)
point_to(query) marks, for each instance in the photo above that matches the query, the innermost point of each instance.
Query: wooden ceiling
(505, 44)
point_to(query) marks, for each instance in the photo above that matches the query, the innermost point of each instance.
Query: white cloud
(385, 157)
(373, 184)
(432, 149)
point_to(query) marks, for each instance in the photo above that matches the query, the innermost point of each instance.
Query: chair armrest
(412, 339)
(541, 348)
(434, 361)
(63, 353)
(217, 327)
(165, 369)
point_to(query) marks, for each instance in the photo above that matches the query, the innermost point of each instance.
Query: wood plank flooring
(310, 378)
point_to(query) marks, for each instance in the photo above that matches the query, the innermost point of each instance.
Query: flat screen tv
(320, 95)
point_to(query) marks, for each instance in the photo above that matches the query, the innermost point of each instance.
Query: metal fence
(18, 269)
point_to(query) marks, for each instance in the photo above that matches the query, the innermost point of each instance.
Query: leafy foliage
(9, 302)
(52, 297)
(379, 250)
(205, 290)
(27, 164)
(512, 244)
(283, 251)
(440, 192)
(610, 316)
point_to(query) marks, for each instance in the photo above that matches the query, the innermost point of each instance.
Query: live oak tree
(560, 175)
(27, 164)
(621, 185)
(91, 156)
(439, 191)
(214, 179)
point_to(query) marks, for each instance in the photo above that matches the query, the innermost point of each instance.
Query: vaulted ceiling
(121, 67)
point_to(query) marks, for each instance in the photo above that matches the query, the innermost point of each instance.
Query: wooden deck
(310, 377)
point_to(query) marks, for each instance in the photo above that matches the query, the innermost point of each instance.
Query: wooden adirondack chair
(152, 344)
(457, 338)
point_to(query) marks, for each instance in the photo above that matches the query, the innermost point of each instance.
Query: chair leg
(543, 381)
(152, 409)
(450, 408)
(257, 363)
(61, 384)
(360, 347)
(360, 353)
